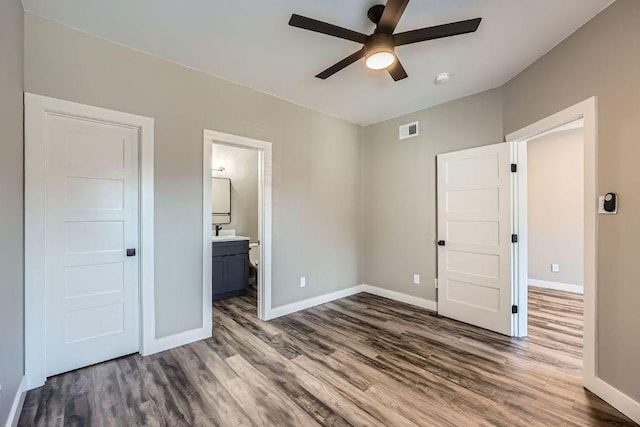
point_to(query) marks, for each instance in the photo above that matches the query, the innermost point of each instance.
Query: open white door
(474, 236)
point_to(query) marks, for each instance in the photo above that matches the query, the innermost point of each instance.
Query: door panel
(218, 273)
(91, 203)
(235, 273)
(474, 221)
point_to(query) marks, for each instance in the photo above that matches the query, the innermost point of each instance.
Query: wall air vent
(409, 130)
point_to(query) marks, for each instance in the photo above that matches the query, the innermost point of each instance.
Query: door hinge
(514, 309)
(514, 238)
(514, 168)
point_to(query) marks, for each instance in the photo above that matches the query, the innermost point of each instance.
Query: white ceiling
(249, 42)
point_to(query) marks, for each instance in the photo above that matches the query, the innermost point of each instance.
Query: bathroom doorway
(237, 222)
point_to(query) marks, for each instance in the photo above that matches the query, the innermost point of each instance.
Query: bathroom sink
(228, 238)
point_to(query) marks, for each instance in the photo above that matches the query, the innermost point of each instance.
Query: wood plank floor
(362, 360)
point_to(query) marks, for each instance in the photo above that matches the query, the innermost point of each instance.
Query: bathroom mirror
(220, 201)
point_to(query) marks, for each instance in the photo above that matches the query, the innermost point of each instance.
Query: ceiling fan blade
(397, 71)
(393, 11)
(324, 28)
(341, 65)
(438, 32)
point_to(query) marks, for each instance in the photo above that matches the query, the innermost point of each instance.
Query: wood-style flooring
(362, 360)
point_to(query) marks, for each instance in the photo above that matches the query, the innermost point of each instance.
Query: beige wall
(555, 179)
(11, 200)
(317, 200)
(400, 187)
(601, 59)
(241, 166)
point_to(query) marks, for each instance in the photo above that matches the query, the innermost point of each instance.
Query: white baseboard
(18, 401)
(617, 399)
(567, 287)
(322, 299)
(398, 296)
(311, 302)
(176, 340)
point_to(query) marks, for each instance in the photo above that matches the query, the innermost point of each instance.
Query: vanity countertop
(228, 238)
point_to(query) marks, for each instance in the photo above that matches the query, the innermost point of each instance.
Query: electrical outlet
(303, 282)
(416, 279)
(555, 268)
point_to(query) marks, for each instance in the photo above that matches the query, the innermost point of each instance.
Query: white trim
(588, 110)
(147, 235)
(265, 156)
(558, 286)
(312, 302)
(343, 293)
(18, 402)
(400, 297)
(179, 339)
(519, 259)
(36, 109)
(207, 291)
(617, 399)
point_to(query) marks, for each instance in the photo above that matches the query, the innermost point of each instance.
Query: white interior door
(474, 232)
(91, 202)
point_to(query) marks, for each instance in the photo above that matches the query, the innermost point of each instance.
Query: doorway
(232, 225)
(88, 236)
(475, 199)
(555, 240)
(586, 112)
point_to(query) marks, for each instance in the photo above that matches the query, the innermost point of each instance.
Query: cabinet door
(217, 280)
(235, 272)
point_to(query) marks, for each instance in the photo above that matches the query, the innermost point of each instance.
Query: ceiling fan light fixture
(380, 60)
(379, 51)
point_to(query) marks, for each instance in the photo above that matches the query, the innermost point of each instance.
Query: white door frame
(37, 107)
(264, 215)
(588, 110)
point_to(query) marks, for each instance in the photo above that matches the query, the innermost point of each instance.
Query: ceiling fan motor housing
(379, 42)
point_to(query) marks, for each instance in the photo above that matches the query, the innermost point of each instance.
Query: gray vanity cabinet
(230, 269)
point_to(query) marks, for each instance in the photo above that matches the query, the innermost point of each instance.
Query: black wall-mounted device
(610, 202)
